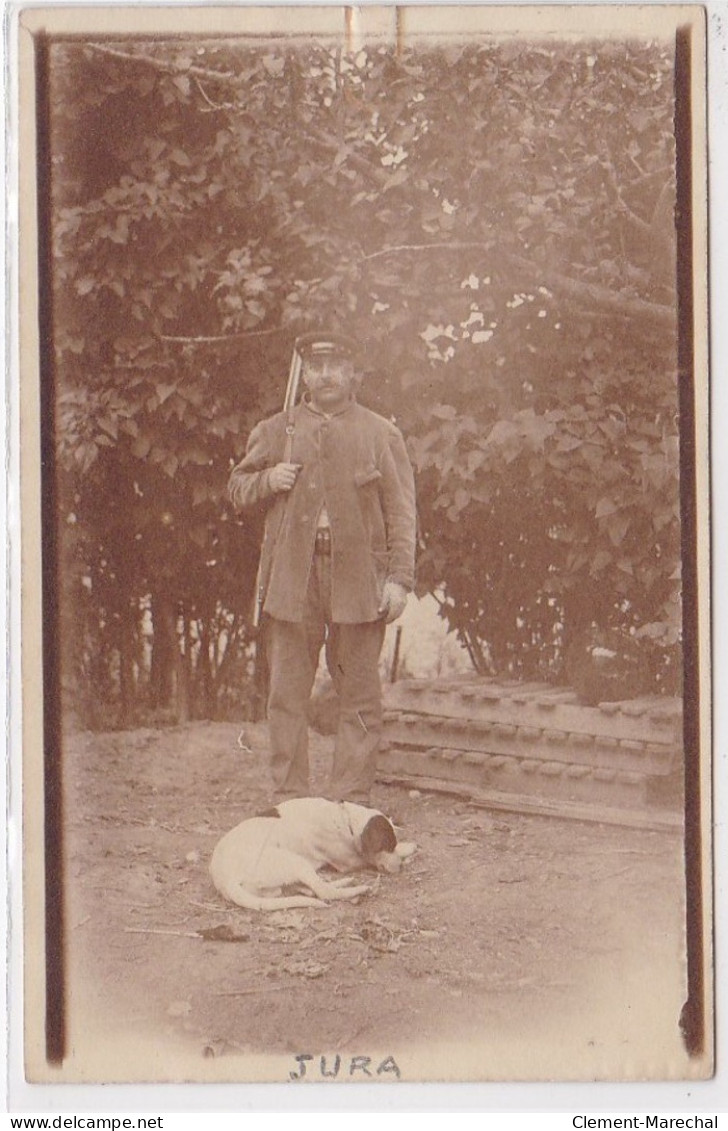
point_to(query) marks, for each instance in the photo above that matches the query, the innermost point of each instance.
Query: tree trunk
(169, 685)
(204, 670)
(186, 699)
(181, 699)
(126, 664)
(161, 667)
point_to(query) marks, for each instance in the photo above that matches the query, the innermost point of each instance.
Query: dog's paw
(388, 862)
(352, 892)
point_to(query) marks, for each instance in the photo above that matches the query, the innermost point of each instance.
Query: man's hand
(394, 599)
(283, 476)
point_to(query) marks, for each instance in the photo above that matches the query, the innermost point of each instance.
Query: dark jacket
(354, 462)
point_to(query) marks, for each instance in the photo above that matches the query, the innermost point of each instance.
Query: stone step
(653, 720)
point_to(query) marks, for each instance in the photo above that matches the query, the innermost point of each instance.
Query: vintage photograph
(364, 445)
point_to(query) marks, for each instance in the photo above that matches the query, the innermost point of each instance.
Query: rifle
(289, 403)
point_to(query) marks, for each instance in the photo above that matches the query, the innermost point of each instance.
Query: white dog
(287, 845)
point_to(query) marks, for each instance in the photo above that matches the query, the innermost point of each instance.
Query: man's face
(329, 380)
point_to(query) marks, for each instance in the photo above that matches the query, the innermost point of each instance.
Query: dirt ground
(510, 946)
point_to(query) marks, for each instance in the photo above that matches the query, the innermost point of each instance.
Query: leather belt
(322, 545)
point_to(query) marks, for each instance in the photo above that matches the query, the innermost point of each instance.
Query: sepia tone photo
(364, 445)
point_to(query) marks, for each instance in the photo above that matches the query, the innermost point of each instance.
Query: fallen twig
(205, 906)
(611, 875)
(255, 990)
(160, 931)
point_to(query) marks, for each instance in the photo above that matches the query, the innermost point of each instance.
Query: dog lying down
(286, 846)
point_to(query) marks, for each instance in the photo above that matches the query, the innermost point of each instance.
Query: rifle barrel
(294, 377)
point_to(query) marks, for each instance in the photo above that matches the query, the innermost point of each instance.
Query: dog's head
(377, 838)
(379, 844)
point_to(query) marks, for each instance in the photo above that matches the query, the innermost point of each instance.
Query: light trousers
(352, 657)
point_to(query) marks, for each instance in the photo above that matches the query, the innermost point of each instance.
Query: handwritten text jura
(332, 1067)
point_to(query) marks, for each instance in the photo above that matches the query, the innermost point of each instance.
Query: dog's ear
(377, 836)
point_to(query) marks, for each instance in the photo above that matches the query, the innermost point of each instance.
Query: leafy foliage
(494, 221)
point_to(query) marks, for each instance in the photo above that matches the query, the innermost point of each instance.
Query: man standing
(336, 564)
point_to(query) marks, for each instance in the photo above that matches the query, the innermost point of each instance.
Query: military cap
(321, 344)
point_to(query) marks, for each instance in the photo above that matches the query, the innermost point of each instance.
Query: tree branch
(618, 303)
(375, 173)
(229, 79)
(206, 338)
(630, 306)
(637, 222)
(214, 106)
(225, 77)
(454, 246)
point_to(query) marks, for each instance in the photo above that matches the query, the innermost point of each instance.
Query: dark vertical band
(693, 1014)
(55, 1018)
